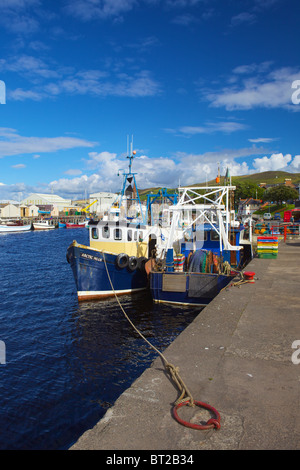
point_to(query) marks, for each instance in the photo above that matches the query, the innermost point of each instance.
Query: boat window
(105, 232)
(214, 236)
(129, 235)
(95, 233)
(135, 235)
(117, 234)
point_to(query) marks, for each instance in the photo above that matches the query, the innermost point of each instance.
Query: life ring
(122, 260)
(132, 263)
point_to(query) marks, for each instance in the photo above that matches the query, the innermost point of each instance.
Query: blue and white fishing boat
(121, 243)
(197, 266)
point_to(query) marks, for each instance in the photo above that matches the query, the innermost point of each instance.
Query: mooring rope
(185, 396)
(174, 371)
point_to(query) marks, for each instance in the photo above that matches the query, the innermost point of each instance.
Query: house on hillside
(288, 182)
(248, 206)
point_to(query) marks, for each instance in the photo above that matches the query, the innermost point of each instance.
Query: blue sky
(198, 83)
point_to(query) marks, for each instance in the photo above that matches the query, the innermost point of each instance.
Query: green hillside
(268, 177)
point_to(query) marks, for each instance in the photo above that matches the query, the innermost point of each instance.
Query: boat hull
(14, 228)
(38, 226)
(197, 289)
(90, 267)
(75, 225)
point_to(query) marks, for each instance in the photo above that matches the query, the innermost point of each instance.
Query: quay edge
(236, 356)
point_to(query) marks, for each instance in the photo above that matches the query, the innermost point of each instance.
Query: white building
(9, 211)
(104, 202)
(39, 199)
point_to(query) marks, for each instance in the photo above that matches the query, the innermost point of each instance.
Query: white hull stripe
(105, 293)
(189, 304)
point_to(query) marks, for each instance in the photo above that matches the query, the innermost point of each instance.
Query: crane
(85, 209)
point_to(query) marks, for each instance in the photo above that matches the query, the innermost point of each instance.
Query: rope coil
(185, 397)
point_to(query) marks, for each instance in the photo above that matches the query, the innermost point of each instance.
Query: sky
(199, 84)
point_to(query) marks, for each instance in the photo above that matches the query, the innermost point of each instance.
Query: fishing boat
(61, 224)
(195, 268)
(120, 246)
(43, 225)
(73, 225)
(14, 227)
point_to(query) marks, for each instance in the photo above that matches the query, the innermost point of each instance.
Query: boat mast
(129, 177)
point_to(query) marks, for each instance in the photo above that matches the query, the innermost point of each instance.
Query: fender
(122, 260)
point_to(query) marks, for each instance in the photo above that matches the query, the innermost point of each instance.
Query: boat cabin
(206, 238)
(125, 237)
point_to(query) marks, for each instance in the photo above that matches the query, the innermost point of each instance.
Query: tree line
(278, 194)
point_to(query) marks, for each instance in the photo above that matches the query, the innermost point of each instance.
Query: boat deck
(237, 356)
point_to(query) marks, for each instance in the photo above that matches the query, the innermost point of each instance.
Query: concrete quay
(237, 356)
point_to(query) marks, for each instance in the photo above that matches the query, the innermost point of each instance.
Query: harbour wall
(239, 356)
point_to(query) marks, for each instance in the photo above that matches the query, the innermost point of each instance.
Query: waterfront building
(9, 211)
(39, 199)
(104, 201)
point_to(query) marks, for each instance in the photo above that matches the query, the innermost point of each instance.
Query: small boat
(195, 268)
(80, 225)
(61, 225)
(14, 228)
(43, 225)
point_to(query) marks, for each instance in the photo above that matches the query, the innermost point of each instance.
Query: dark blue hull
(91, 278)
(187, 288)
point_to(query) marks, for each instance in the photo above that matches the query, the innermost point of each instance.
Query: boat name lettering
(87, 256)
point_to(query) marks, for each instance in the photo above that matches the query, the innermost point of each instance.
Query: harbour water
(66, 363)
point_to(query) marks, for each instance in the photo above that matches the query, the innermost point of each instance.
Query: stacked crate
(267, 247)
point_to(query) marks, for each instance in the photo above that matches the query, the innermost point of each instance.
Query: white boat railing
(194, 208)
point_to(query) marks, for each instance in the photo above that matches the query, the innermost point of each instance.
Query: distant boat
(14, 228)
(82, 225)
(43, 225)
(61, 225)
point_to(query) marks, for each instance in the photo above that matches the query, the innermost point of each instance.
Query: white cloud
(47, 80)
(271, 90)
(12, 143)
(18, 166)
(277, 161)
(263, 140)
(226, 127)
(16, 17)
(98, 9)
(102, 169)
(296, 163)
